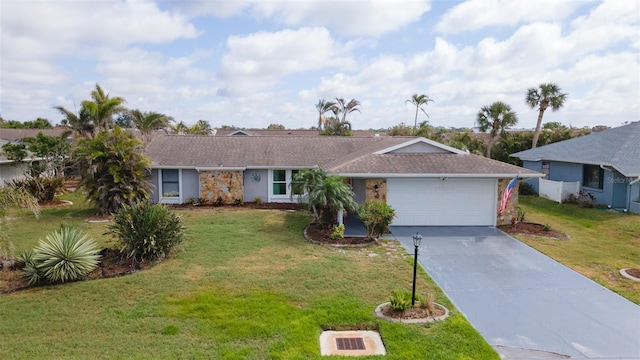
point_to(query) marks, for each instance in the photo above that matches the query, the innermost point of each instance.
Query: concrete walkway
(525, 304)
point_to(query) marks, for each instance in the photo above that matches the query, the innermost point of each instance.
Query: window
(545, 169)
(170, 183)
(281, 181)
(592, 176)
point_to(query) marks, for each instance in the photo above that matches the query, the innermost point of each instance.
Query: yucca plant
(66, 255)
(31, 271)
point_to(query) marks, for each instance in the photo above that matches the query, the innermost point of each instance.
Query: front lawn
(601, 242)
(246, 286)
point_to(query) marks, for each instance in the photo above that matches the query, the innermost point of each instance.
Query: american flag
(507, 194)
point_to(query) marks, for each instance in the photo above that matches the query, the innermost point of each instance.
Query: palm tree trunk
(536, 133)
(415, 123)
(489, 147)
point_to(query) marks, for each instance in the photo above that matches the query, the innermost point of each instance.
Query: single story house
(606, 163)
(427, 183)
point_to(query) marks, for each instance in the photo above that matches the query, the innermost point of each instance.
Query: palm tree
(201, 127)
(495, 119)
(418, 101)
(304, 183)
(102, 108)
(323, 107)
(80, 123)
(341, 107)
(179, 128)
(331, 196)
(149, 122)
(542, 97)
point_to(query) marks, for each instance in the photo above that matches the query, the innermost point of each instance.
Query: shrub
(400, 300)
(147, 231)
(546, 227)
(526, 189)
(586, 199)
(257, 200)
(428, 302)
(337, 232)
(66, 255)
(520, 214)
(42, 188)
(376, 216)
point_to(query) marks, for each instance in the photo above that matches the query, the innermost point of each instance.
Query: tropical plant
(201, 127)
(276, 127)
(341, 108)
(81, 123)
(303, 183)
(334, 127)
(376, 215)
(418, 101)
(544, 96)
(147, 231)
(323, 107)
(66, 255)
(114, 170)
(101, 108)
(400, 300)
(333, 195)
(42, 188)
(495, 118)
(400, 130)
(30, 271)
(148, 122)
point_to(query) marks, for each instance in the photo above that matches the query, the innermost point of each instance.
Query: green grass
(246, 285)
(601, 242)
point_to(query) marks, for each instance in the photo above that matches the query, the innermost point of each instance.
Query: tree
(341, 108)
(323, 107)
(102, 108)
(276, 127)
(331, 196)
(114, 171)
(335, 127)
(418, 101)
(201, 127)
(495, 119)
(400, 130)
(148, 122)
(80, 123)
(542, 97)
(324, 195)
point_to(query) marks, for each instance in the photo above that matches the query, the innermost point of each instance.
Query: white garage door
(434, 202)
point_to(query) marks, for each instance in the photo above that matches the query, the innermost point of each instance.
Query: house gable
(420, 145)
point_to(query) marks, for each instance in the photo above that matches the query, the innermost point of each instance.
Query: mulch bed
(527, 228)
(414, 313)
(634, 272)
(323, 236)
(247, 205)
(113, 263)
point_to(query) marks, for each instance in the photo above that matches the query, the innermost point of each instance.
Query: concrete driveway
(526, 305)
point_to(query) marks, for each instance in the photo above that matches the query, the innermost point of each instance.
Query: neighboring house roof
(17, 134)
(618, 148)
(298, 132)
(352, 156)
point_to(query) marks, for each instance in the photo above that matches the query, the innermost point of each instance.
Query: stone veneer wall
(371, 193)
(221, 187)
(511, 212)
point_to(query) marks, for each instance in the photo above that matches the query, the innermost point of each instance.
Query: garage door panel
(442, 202)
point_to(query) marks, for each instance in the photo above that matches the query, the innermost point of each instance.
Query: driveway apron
(525, 304)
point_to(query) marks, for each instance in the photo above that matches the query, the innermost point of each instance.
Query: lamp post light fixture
(417, 238)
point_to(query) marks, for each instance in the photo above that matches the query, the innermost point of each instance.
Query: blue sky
(253, 63)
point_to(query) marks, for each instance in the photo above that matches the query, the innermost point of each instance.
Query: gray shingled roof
(618, 147)
(339, 155)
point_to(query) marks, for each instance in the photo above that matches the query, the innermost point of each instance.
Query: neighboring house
(426, 182)
(606, 163)
(9, 170)
(296, 132)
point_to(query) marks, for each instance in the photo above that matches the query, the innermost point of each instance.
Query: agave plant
(31, 271)
(66, 255)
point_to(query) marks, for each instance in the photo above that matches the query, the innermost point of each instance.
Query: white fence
(558, 190)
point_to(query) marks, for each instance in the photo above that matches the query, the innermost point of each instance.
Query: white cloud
(477, 14)
(262, 59)
(64, 27)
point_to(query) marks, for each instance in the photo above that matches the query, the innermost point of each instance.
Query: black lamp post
(417, 238)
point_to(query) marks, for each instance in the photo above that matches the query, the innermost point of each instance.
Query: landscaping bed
(528, 228)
